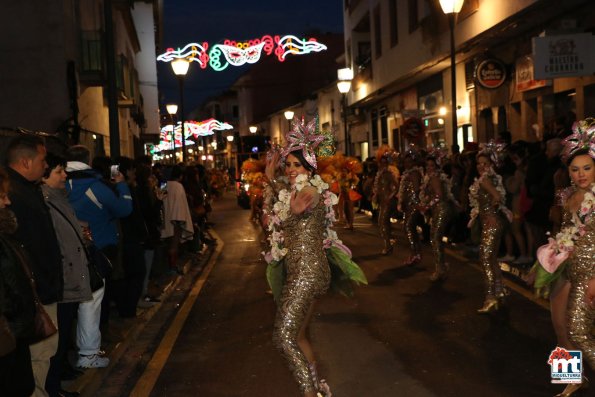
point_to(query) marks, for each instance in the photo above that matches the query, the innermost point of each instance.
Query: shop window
(384, 125)
(374, 130)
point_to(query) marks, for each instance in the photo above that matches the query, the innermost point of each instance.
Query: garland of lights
(240, 53)
(192, 129)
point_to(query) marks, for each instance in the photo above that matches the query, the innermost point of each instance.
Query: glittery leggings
(491, 236)
(384, 224)
(410, 223)
(296, 299)
(580, 315)
(441, 217)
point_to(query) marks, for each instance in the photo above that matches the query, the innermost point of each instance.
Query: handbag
(7, 340)
(44, 326)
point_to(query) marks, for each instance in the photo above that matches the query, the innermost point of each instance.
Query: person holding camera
(100, 206)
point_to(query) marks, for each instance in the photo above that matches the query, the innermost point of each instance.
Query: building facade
(56, 79)
(402, 89)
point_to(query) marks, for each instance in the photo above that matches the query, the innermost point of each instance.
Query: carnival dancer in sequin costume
(386, 187)
(438, 203)
(573, 249)
(487, 200)
(347, 175)
(408, 202)
(303, 249)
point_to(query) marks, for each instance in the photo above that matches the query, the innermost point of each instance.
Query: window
(413, 16)
(91, 51)
(377, 32)
(374, 128)
(394, 23)
(384, 125)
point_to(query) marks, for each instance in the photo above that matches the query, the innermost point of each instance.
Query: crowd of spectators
(93, 232)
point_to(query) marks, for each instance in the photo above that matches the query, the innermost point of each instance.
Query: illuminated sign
(192, 129)
(491, 73)
(234, 53)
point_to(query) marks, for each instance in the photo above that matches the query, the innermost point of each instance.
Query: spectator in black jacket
(26, 162)
(16, 304)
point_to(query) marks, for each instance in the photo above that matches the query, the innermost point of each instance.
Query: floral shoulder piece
(474, 192)
(281, 211)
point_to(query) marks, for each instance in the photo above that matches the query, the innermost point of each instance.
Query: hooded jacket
(96, 203)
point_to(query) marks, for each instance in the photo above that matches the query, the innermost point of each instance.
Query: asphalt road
(400, 336)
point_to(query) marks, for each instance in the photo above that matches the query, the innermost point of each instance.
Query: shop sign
(491, 73)
(524, 76)
(413, 127)
(569, 55)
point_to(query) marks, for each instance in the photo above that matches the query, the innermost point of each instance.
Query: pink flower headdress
(582, 138)
(494, 150)
(304, 137)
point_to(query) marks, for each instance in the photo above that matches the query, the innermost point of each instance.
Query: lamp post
(288, 116)
(172, 109)
(180, 67)
(345, 76)
(452, 8)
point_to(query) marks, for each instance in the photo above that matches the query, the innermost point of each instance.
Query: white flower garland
(444, 181)
(474, 192)
(281, 210)
(567, 236)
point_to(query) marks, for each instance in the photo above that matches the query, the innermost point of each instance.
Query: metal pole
(347, 140)
(173, 136)
(182, 117)
(453, 78)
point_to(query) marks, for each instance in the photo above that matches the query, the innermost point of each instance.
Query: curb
(93, 378)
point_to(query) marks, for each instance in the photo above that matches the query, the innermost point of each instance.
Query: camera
(114, 171)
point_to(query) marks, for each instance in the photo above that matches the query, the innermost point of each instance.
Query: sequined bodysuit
(386, 186)
(580, 269)
(308, 276)
(409, 200)
(492, 227)
(441, 214)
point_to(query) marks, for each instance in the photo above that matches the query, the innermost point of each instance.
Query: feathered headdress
(582, 138)
(307, 138)
(439, 154)
(494, 150)
(387, 153)
(412, 151)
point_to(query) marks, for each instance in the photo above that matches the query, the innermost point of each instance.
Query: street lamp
(254, 128)
(345, 76)
(172, 109)
(230, 138)
(180, 67)
(452, 8)
(288, 116)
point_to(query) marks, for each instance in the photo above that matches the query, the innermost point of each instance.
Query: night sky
(186, 21)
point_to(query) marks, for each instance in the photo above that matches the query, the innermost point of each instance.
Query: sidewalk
(123, 331)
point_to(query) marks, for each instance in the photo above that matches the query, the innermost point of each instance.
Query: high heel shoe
(412, 260)
(490, 305)
(440, 275)
(574, 387)
(388, 250)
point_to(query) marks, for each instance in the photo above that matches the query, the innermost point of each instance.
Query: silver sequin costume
(441, 214)
(308, 276)
(409, 200)
(580, 269)
(386, 186)
(491, 236)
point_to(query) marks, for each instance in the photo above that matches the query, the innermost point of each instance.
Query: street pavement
(400, 335)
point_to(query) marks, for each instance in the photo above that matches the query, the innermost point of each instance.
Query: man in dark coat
(35, 232)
